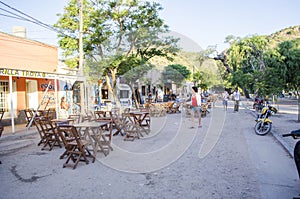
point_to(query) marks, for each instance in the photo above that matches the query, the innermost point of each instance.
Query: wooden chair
(175, 108)
(29, 116)
(205, 110)
(126, 110)
(103, 116)
(132, 131)
(145, 120)
(66, 135)
(100, 114)
(50, 113)
(1, 115)
(131, 127)
(76, 149)
(76, 118)
(40, 131)
(145, 123)
(105, 142)
(118, 122)
(49, 133)
(169, 107)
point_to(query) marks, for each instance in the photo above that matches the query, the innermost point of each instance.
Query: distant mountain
(286, 34)
(190, 59)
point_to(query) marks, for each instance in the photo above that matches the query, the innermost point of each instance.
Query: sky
(200, 23)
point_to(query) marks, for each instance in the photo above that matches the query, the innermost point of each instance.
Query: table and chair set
(84, 136)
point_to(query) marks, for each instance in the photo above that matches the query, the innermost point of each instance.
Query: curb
(275, 135)
(19, 135)
(15, 142)
(283, 143)
(12, 146)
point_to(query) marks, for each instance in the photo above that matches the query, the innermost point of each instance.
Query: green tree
(245, 61)
(176, 73)
(290, 52)
(135, 74)
(114, 34)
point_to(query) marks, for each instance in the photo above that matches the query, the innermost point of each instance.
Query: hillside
(191, 59)
(286, 34)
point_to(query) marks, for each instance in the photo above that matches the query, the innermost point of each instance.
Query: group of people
(195, 104)
(236, 97)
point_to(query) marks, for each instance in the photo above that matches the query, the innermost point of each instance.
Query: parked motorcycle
(258, 104)
(296, 135)
(263, 124)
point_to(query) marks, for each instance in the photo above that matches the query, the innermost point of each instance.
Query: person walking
(195, 107)
(236, 97)
(225, 99)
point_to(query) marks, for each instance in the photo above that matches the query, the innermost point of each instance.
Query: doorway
(31, 94)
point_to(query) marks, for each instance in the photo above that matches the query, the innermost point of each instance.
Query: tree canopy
(258, 66)
(175, 73)
(117, 36)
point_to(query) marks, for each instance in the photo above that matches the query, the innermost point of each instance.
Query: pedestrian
(236, 97)
(195, 106)
(225, 99)
(149, 97)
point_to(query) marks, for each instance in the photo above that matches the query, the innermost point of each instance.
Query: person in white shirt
(236, 96)
(225, 99)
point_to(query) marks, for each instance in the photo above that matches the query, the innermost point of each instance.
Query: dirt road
(172, 162)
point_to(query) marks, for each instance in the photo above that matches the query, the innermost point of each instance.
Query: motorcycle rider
(258, 103)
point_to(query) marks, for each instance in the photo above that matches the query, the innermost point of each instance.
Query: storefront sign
(44, 87)
(22, 73)
(36, 74)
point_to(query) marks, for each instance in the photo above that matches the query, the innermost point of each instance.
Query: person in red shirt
(196, 107)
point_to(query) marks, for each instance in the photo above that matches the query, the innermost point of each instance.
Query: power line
(31, 19)
(18, 16)
(35, 20)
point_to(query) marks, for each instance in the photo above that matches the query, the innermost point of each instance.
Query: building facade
(30, 77)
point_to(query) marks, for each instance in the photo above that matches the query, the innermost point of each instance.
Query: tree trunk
(222, 58)
(245, 92)
(112, 89)
(136, 103)
(298, 108)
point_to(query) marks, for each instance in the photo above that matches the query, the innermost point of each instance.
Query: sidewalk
(283, 122)
(21, 138)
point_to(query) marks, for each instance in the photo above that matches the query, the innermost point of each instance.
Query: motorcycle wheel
(262, 128)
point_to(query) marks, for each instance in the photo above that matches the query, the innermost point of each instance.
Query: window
(3, 96)
(143, 90)
(124, 94)
(104, 93)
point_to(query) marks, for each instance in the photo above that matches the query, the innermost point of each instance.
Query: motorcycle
(263, 124)
(258, 104)
(296, 135)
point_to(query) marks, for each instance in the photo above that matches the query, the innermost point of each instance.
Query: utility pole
(82, 85)
(80, 38)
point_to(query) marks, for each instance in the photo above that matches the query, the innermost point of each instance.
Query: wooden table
(93, 133)
(58, 121)
(103, 115)
(139, 118)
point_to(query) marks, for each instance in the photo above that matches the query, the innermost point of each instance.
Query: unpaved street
(172, 162)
